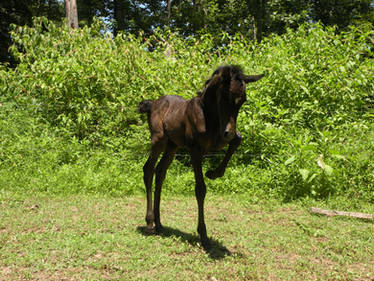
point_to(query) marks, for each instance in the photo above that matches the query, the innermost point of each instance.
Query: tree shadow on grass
(216, 251)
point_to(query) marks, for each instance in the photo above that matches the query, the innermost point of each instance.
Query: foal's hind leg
(161, 169)
(148, 170)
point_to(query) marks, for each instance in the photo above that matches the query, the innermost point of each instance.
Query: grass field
(83, 237)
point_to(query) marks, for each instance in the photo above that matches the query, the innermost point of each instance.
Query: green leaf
(311, 178)
(289, 160)
(340, 157)
(304, 174)
(328, 169)
(305, 90)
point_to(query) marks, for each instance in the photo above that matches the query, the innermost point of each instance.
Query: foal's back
(167, 119)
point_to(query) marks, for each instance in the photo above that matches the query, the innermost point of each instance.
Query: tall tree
(71, 13)
(169, 11)
(258, 8)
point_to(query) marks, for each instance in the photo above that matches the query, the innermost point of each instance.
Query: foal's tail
(145, 106)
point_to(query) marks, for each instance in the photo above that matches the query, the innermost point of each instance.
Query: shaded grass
(80, 237)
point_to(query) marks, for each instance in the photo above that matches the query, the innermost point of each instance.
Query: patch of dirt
(290, 258)
(322, 239)
(323, 261)
(104, 273)
(366, 271)
(5, 271)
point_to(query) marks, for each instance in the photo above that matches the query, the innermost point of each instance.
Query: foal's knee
(236, 141)
(150, 218)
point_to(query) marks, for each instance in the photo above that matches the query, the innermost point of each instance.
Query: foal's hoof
(159, 228)
(212, 174)
(206, 244)
(149, 230)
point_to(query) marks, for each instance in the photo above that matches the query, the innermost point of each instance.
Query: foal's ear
(252, 78)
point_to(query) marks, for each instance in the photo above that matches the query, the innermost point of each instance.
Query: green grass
(88, 237)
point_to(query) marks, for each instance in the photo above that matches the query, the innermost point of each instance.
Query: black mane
(234, 70)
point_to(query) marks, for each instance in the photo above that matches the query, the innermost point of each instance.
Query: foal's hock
(204, 123)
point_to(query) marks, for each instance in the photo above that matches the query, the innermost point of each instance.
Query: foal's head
(224, 94)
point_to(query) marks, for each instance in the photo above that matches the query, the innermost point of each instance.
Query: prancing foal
(204, 123)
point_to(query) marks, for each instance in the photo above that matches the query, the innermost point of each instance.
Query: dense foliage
(69, 121)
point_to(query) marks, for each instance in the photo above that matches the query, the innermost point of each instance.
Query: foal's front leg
(200, 192)
(220, 170)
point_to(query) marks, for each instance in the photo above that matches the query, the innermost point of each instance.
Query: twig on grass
(332, 213)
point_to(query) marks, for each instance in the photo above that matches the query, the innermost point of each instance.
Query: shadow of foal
(216, 250)
(203, 124)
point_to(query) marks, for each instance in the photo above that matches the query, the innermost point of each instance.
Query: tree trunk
(254, 28)
(260, 19)
(258, 10)
(74, 13)
(71, 13)
(169, 12)
(119, 16)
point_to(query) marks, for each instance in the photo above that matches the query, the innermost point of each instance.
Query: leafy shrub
(89, 83)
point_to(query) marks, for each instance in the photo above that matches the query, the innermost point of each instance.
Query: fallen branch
(332, 213)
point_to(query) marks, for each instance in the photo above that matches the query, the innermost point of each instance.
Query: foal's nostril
(226, 134)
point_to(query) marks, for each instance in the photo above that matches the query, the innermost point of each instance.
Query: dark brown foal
(202, 124)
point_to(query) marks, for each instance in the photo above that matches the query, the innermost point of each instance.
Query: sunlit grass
(96, 238)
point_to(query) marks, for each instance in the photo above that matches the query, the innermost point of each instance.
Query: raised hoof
(213, 174)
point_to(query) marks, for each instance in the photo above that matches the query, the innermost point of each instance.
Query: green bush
(89, 83)
(69, 120)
